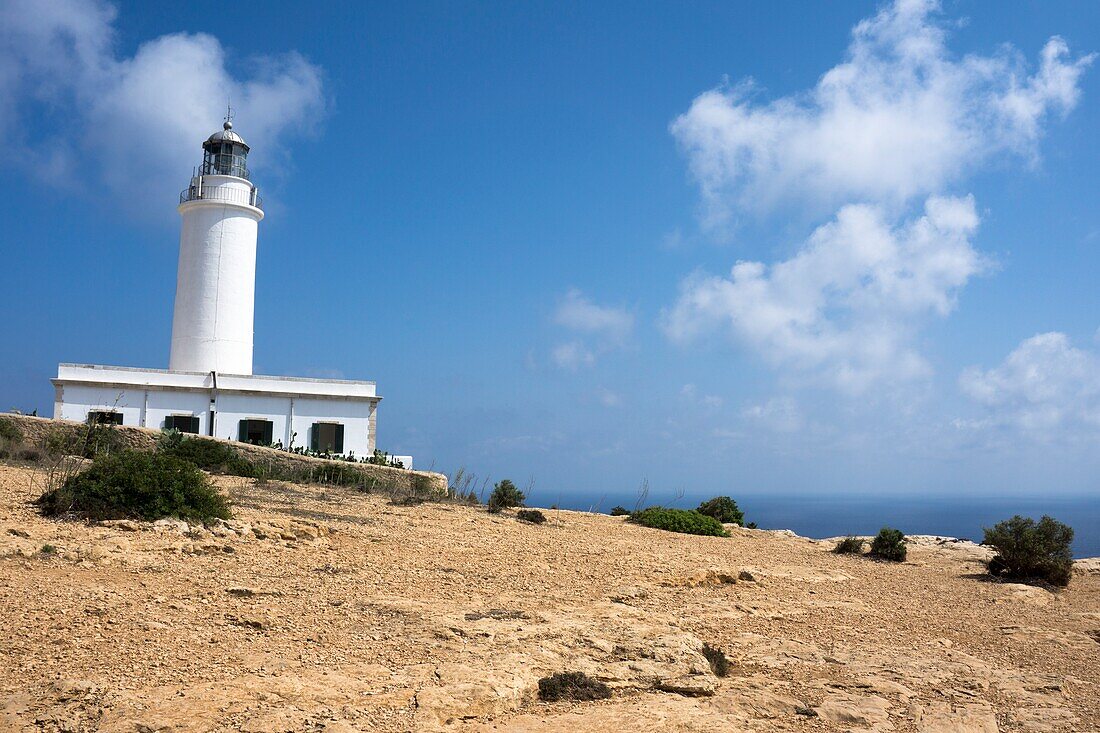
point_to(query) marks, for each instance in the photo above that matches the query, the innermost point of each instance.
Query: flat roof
(163, 378)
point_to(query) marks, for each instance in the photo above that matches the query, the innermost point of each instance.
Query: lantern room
(225, 153)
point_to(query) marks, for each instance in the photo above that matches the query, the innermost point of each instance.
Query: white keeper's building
(209, 387)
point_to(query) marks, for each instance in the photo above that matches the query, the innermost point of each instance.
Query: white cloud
(136, 123)
(602, 328)
(572, 355)
(779, 414)
(843, 309)
(578, 313)
(1046, 388)
(692, 394)
(608, 398)
(900, 118)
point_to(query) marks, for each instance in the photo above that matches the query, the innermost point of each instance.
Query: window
(182, 423)
(327, 437)
(105, 417)
(257, 432)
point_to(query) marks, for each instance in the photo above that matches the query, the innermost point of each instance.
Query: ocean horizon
(822, 516)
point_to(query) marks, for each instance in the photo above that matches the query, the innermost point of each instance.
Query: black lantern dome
(225, 153)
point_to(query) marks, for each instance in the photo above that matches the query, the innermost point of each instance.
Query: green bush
(206, 453)
(1030, 550)
(136, 485)
(618, 511)
(889, 544)
(534, 516)
(724, 509)
(505, 495)
(849, 546)
(719, 664)
(680, 520)
(572, 686)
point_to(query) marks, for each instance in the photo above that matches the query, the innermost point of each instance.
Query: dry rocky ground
(322, 609)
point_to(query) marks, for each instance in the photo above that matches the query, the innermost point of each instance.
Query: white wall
(79, 400)
(149, 407)
(355, 416)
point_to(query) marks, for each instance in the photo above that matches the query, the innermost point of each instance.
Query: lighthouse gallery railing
(222, 193)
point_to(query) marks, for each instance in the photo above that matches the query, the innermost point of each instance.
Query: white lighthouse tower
(209, 387)
(216, 281)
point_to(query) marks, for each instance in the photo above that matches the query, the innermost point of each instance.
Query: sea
(832, 516)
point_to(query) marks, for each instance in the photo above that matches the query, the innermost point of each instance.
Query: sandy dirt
(321, 609)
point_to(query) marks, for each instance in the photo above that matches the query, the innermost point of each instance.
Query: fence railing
(222, 193)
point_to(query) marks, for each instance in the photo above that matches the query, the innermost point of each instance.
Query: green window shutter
(242, 430)
(339, 439)
(193, 424)
(315, 437)
(268, 429)
(169, 422)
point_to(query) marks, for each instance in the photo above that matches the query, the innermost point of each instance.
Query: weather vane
(229, 112)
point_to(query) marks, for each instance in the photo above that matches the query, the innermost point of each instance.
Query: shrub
(135, 485)
(680, 520)
(572, 686)
(534, 516)
(505, 495)
(724, 509)
(618, 511)
(210, 455)
(849, 546)
(889, 544)
(1030, 550)
(9, 431)
(717, 660)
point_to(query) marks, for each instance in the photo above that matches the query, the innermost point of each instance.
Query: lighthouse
(216, 280)
(209, 387)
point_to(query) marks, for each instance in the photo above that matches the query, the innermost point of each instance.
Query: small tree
(1030, 550)
(724, 509)
(889, 544)
(505, 495)
(619, 511)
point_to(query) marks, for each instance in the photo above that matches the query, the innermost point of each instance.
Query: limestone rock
(697, 685)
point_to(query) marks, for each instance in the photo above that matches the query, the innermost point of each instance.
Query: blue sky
(522, 220)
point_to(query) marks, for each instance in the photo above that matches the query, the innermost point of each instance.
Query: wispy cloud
(134, 123)
(1046, 388)
(608, 398)
(779, 414)
(692, 394)
(572, 355)
(597, 329)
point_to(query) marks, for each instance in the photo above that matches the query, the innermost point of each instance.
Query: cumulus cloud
(843, 309)
(136, 123)
(1046, 388)
(899, 118)
(600, 329)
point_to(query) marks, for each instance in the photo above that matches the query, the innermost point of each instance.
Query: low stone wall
(41, 432)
